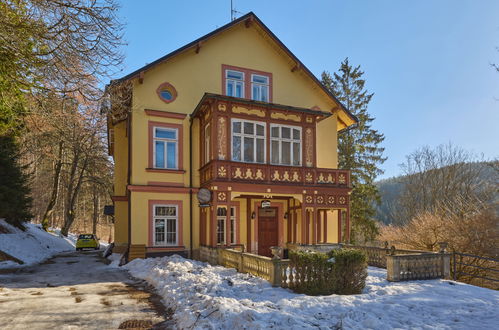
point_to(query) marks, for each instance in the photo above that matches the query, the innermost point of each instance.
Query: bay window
(165, 148)
(285, 145)
(165, 225)
(248, 141)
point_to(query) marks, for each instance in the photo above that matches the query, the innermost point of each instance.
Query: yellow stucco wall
(120, 159)
(327, 143)
(120, 223)
(193, 75)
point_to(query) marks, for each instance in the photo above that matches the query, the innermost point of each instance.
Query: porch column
(318, 224)
(228, 232)
(304, 222)
(314, 225)
(213, 225)
(347, 220)
(295, 224)
(202, 226)
(325, 225)
(248, 225)
(339, 225)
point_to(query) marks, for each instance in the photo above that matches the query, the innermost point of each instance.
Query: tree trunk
(55, 188)
(73, 191)
(95, 214)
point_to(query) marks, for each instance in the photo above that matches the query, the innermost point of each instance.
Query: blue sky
(428, 62)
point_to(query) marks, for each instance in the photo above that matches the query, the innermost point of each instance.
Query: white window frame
(242, 81)
(165, 140)
(260, 85)
(224, 226)
(291, 140)
(165, 217)
(233, 218)
(254, 136)
(207, 143)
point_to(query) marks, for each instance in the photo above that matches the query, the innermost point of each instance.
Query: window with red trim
(247, 83)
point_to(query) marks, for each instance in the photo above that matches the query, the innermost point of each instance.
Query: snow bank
(203, 296)
(31, 246)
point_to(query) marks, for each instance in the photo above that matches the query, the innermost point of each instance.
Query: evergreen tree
(358, 148)
(15, 202)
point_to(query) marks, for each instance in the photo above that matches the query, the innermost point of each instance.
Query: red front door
(267, 230)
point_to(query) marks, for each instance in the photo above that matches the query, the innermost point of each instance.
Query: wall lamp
(253, 216)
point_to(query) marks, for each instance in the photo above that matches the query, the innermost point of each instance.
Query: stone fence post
(392, 268)
(275, 272)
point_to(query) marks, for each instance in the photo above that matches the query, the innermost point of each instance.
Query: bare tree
(443, 175)
(61, 45)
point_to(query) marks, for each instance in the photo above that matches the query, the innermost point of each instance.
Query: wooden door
(267, 230)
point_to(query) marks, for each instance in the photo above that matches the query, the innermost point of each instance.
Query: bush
(349, 270)
(339, 271)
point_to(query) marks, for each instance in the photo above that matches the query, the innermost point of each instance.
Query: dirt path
(77, 291)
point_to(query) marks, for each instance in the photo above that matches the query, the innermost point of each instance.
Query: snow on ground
(203, 296)
(31, 246)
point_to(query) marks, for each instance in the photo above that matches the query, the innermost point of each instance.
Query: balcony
(228, 171)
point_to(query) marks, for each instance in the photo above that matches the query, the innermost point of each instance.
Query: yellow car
(87, 241)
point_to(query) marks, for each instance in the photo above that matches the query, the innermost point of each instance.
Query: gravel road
(77, 290)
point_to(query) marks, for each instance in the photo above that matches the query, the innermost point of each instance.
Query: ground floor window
(221, 217)
(165, 225)
(222, 227)
(233, 225)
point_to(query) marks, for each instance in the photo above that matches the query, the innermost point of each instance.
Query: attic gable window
(247, 83)
(259, 88)
(234, 81)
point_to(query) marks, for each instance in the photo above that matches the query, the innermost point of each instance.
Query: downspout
(190, 186)
(129, 174)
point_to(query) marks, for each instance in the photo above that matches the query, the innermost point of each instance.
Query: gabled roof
(249, 18)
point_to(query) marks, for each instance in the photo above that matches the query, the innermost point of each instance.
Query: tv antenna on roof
(233, 12)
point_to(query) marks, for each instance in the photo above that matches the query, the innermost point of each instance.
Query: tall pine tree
(358, 148)
(15, 202)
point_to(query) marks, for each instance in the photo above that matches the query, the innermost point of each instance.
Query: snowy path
(72, 291)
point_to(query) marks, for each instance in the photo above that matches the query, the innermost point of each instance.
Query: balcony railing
(219, 170)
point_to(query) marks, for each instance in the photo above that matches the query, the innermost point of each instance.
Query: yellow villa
(227, 141)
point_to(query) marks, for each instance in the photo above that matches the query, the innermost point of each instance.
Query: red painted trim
(170, 88)
(160, 189)
(164, 249)
(179, 224)
(247, 80)
(164, 184)
(119, 198)
(180, 143)
(165, 114)
(164, 170)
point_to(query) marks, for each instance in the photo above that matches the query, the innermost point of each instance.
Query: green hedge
(340, 271)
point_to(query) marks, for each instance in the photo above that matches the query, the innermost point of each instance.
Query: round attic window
(166, 92)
